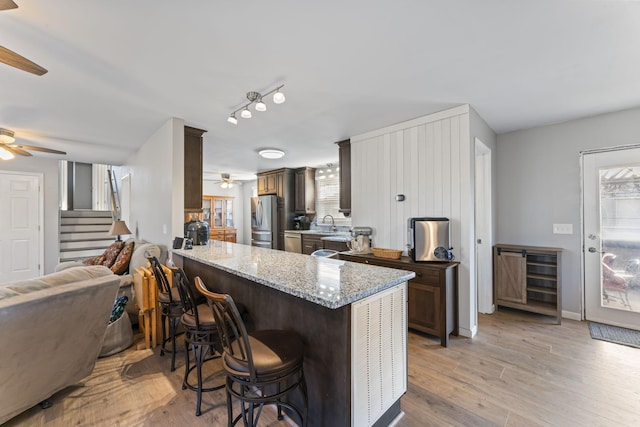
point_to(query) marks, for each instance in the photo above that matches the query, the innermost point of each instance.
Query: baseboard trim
(571, 315)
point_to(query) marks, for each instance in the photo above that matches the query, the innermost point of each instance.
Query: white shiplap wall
(429, 160)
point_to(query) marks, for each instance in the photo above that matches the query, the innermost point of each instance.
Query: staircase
(84, 234)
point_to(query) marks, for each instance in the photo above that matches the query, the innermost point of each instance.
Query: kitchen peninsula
(352, 318)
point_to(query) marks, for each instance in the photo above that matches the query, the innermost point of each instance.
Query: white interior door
(611, 236)
(20, 231)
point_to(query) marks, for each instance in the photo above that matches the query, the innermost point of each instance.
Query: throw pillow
(118, 308)
(95, 260)
(121, 264)
(111, 253)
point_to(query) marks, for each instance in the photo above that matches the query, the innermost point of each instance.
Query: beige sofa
(138, 259)
(51, 331)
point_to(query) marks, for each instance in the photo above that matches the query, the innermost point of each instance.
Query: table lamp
(117, 228)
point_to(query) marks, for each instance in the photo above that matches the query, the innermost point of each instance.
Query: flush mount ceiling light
(271, 153)
(256, 98)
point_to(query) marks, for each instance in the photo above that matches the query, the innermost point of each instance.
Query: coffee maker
(360, 242)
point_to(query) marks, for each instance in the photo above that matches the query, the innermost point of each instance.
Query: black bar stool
(201, 336)
(262, 367)
(170, 308)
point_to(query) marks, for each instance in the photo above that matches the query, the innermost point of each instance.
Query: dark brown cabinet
(305, 191)
(193, 169)
(335, 245)
(344, 160)
(432, 296)
(528, 278)
(311, 243)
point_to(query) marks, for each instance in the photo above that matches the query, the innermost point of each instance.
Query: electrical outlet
(562, 228)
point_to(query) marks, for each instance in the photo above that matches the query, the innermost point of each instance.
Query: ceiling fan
(8, 149)
(226, 181)
(11, 58)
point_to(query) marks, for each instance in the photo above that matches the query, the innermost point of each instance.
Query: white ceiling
(120, 69)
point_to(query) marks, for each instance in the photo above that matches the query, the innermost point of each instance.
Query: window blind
(328, 195)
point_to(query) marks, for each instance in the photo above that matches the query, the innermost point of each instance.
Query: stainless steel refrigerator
(264, 221)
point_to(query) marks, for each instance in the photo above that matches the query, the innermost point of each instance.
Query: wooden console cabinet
(528, 278)
(433, 293)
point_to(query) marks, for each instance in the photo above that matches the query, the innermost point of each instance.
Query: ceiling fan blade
(7, 4)
(11, 58)
(44, 150)
(15, 150)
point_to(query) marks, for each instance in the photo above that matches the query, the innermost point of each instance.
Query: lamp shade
(118, 228)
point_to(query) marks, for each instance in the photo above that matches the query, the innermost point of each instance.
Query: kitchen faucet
(333, 223)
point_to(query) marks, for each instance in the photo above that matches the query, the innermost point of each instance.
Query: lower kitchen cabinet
(433, 293)
(311, 243)
(335, 245)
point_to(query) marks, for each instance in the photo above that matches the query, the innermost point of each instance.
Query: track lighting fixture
(256, 98)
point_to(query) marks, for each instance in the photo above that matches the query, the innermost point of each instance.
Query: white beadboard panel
(379, 354)
(430, 161)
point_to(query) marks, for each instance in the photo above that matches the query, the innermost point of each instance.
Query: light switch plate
(562, 228)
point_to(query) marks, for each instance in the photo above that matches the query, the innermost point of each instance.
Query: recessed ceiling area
(118, 71)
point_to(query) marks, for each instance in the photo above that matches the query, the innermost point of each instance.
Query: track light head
(246, 114)
(261, 106)
(278, 97)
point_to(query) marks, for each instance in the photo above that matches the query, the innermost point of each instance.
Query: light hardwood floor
(519, 370)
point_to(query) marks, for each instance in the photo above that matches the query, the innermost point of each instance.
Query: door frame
(483, 201)
(40, 178)
(583, 243)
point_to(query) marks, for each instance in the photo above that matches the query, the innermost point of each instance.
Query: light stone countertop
(325, 281)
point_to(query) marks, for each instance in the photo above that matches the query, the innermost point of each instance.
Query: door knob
(594, 250)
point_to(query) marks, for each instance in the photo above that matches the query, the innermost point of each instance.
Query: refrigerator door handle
(259, 214)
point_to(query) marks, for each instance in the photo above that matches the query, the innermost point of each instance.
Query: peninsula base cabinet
(528, 278)
(432, 294)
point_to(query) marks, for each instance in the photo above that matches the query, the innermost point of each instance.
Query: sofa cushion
(74, 274)
(121, 264)
(7, 293)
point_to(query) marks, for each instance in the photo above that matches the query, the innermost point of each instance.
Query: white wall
(157, 185)
(49, 169)
(539, 185)
(430, 160)
(211, 188)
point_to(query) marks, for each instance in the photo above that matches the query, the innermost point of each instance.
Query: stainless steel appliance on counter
(293, 241)
(429, 239)
(361, 240)
(197, 231)
(264, 221)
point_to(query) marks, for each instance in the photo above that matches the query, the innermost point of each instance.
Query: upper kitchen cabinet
(344, 160)
(193, 169)
(305, 195)
(267, 183)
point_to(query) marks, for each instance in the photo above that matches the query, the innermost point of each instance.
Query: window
(328, 195)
